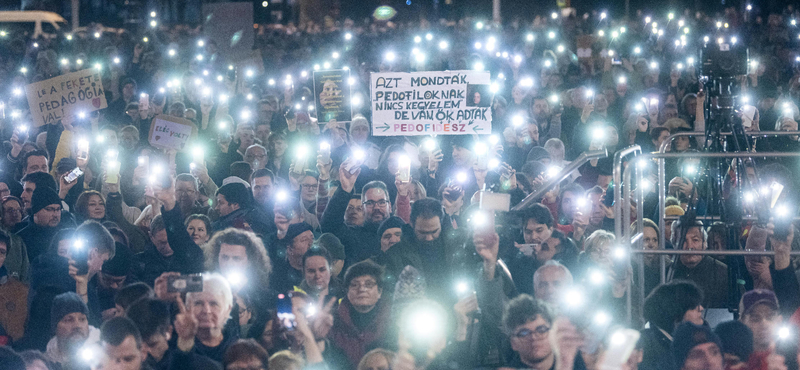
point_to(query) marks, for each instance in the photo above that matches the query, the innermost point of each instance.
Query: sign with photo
(332, 95)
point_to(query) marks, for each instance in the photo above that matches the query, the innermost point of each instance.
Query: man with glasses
(44, 221)
(530, 325)
(708, 273)
(188, 194)
(256, 155)
(360, 242)
(362, 320)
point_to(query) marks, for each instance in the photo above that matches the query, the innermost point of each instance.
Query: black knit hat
(120, 265)
(737, 339)
(235, 193)
(333, 245)
(65, 304)
(390, 223)
(43, 197)
(295, 230)
(688, 336)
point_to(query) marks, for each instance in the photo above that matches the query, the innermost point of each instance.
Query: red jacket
(353, 341)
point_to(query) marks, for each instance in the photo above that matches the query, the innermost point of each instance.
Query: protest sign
(52, 99)
(168, 132)
(332, 95)
(427, 103)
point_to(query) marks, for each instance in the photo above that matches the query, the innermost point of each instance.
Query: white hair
(217, 285)
(552, 264)
(598, 237)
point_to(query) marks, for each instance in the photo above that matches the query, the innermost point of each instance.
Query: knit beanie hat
(295, 230)
(736, 337)
(65, 304)
(390, 223)
(688, 336)
(333, 245)
(43, 197)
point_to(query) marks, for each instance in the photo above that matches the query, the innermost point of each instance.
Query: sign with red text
(168, 132)
(431, 103)
(72, 93)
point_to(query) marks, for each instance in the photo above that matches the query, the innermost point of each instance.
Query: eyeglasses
(367, 285)
(380, 203)
(539, 333)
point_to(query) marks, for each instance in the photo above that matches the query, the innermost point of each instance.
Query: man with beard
(360, 242)
(44, 222)
(708, 273)
(187, 190)
(549, 121)
(68, 317)
(430, 246)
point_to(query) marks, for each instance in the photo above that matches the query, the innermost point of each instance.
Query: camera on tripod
(724, 58)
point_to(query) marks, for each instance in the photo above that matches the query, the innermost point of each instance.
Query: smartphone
(608, 197)
(112, 172)
(185, 283)
(489, 201)
(454, 193)
(73, 175)
(80, 254)
(144, 161)
(355, 161)
(404, 168)
(621, 345)
(325, 151)
(616, 61)
(144, 102)
(527, 249)
(22, 133)
(285, 314)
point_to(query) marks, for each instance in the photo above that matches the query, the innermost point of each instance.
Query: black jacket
(187, 257)
(360, 242)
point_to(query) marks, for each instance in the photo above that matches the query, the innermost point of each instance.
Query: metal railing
(622, 192)
(566, 172)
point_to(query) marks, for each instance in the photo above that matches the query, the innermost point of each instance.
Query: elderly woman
(210, 310)
(604, 264)
(91, 205)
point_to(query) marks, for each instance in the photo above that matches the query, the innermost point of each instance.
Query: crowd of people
(251, 249)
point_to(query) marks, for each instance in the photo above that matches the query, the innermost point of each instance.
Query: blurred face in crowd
(363, 293)
(279, 148)
(36, 163)
(96, 207)
(569, 204)
(308, 188)
(531, 341)
(4, 191)
(262, 189)
(27, 193)
(540, 110)
(376, 205)
(706, 356)
(427, 229)
(129, 139)
(161, 242)
(126, 356)
(262, 132)
(187, 194)
(650, 238)
(376, 361)
(681, 143)
(317, 272)
(256, 156)
(210, 310)
(694, 242)
(127, 91)
(763, 320)
(661, 138)
(110, 138)
(359, 134)
(3, 253)
(536, 233)
(72, 331)
(549, 281)
(248, 363)
(600, 254)
(232, 257)
(246, 137)
(12, 214)
(695, 315)
(354, 215)
(157, 345)
(299, 246)
(197, 230)
(49, 216)
(461, 156)
(390, 237)
(597, 215)
(223, 207)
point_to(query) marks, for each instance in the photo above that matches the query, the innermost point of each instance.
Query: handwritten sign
(50, 100)
(427, 103)
(168, 132)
